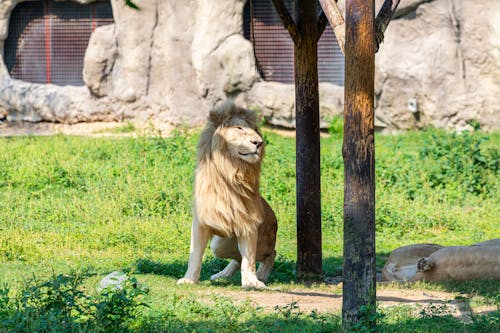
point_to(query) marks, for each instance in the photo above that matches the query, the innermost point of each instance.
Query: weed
(61, 305)
(336, 126)
(460, 158)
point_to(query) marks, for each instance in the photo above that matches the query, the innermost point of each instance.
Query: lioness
(431, 262)
(461, 263)
(228, 205)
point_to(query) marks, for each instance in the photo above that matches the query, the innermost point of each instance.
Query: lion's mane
(227, 199)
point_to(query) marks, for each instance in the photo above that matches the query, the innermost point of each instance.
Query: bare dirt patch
(93, 129)
(324, 301)
(307, 300)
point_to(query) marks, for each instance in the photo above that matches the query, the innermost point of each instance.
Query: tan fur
(430, 262)
(228, 204)
(461, 263)
(401, 264)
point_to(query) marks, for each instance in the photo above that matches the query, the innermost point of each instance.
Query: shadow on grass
(284, 270)
(486, 289)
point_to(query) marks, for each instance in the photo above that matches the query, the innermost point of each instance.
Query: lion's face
(241, 141)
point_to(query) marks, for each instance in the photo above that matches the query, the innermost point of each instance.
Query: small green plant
(61, 305)
(369, 319)
(434, 310)
(476, 126)
(460, 157)
(289, 311)
(336, 127)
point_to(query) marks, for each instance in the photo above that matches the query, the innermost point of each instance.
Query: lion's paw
(253, 285)
(425, 264)
(186, 281)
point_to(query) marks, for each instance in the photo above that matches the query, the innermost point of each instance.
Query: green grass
(96, 205)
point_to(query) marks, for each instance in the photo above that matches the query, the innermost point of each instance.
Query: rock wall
(440, 65)
(171, 61)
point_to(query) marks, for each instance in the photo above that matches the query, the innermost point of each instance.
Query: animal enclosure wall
(47, 40)
(274, 47)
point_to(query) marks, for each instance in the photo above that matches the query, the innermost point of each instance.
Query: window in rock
(274, 47)
(47, 40)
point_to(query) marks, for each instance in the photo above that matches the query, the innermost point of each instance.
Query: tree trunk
(359, 166)
(309, 257)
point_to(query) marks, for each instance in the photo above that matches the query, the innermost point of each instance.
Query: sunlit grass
(104, 204)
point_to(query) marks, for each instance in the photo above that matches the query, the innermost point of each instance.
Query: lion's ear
(251, 118)
(221, 111)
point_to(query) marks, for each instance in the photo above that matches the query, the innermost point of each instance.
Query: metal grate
(47, 40)
(274, 47)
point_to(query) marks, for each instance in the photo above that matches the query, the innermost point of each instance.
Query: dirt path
(324, 301)
(94, 129)
(307, 300)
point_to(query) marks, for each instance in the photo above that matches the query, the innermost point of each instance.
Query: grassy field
(77, 208)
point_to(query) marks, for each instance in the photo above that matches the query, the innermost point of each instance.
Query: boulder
(276, 102)
(99, 60)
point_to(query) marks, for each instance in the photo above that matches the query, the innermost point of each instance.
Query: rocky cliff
(171, 61)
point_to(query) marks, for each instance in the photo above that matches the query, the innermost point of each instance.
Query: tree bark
(286, 19)
(383, 19)
(309, 251)
(359, 166)
(305, 34)
(334, 16)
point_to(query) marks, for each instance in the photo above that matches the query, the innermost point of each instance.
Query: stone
(113, 280)
(174, 88)
(99, 60)
(223, 58)
(134, 37)
(276, 102)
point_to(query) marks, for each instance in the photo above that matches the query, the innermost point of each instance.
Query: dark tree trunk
(309, 257)
(359, 166)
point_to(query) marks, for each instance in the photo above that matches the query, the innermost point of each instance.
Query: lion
(227, 204)
(401, 264)
(430, 262)
(461, 263)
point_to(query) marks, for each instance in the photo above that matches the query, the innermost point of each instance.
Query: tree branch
(334, 16)
(384, 16)
(286, 19)
(322, 22)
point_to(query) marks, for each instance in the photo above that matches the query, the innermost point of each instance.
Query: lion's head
(232, 132)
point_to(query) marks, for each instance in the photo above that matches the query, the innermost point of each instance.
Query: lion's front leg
(199, 240)
(248, 249)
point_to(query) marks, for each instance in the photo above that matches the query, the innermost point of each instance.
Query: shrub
(460, 159)
(61, 305)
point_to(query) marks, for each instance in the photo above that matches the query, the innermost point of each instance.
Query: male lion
(228, 205)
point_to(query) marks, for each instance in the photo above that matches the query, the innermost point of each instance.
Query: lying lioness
(460, 263)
